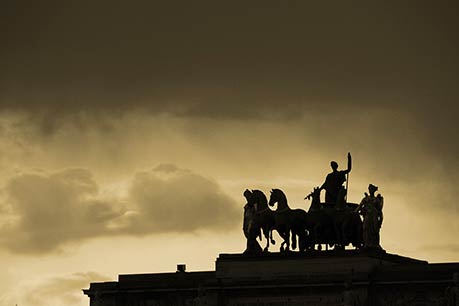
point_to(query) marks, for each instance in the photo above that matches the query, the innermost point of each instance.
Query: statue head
(334, 165)
(247, 194)
(275, 195)
(372, 188)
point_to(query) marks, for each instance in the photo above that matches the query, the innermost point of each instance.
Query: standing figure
(249, 213)
(251, 230)
(334, 181)
(371, 209)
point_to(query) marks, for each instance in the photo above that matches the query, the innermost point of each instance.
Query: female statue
(371, 209)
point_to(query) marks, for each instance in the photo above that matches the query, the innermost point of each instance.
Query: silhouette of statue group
(335, 223)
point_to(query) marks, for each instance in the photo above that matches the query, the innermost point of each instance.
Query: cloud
(52, 209)
(49, 210)
(335, 69)
(170, 199)
(281, 56)
(290, 81)
(52, 291)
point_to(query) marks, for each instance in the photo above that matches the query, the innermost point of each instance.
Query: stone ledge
(373, 253)
(315, 265)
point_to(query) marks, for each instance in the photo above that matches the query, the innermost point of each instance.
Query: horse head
(259, 198)
(277, 196)
(314, 196)
(272, 197)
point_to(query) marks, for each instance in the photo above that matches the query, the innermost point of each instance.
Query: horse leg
(287, 240)
(294, 237)
(266, 233)
(281, 233)
(282, 246)
(285, 245)
(302, 240)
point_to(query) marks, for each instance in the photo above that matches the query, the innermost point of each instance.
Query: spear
(349, 166)
(347, 186)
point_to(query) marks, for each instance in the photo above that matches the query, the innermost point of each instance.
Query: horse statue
(264, 216)
(336, 226)
(288, 221)
(319, 222)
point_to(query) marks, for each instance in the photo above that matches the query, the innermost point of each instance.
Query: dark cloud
(85, 62)
(50, 210)
(69, 62)
(209, 59)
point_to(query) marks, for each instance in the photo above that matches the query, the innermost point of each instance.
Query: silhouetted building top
(377, 278)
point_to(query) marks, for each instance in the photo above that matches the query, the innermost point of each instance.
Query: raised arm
(349, 162)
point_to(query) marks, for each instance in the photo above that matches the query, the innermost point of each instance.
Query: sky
(129, 131)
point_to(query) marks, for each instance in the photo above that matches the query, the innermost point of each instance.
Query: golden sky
(128, 131)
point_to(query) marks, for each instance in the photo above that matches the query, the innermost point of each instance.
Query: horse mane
(281, 194)
(260, 196)
(279, 191)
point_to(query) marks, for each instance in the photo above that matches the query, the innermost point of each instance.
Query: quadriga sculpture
(336, 226)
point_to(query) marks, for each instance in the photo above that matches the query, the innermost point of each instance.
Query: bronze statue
(371, 209)
(264, 217)
(335, 223)
(288, 221)
(249, 211)
(319, 223)
(334, 181)
(251, 231)
(258, 219)
(332, 226)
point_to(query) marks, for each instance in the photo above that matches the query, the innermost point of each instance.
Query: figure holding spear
(334, 181)
(349, 166)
